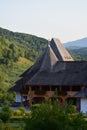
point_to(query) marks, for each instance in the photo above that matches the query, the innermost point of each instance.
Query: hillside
(18, 51)
(29, 46)
(16, 46)
(78, 49)
(79, 53)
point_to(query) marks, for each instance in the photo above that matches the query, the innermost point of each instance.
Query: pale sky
(63, 19)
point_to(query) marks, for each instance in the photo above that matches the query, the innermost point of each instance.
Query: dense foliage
(5, 114)
(20, 44)
(9, 120)
(79, 54)
(51, 116)
(18, 51)
(47, 116)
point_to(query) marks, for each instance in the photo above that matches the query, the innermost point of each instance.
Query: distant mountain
(76, 44)
(78, 49)
(79, 53)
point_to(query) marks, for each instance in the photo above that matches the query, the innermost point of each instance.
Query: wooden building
(54, 74)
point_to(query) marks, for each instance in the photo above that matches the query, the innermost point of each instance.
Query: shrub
(17, 113)
(5, 108)
(8, 110)
(22, 110)
(27, 114)
(11, 112)
(50, 116)
(71, 109)
(4, 116)
(35, 106)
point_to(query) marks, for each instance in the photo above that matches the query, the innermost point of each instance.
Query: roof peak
(49, 60)
(59, 50)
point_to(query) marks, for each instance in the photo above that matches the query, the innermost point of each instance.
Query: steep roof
(52, 68)
(59, 50)
(44, 63)
(63, 73)
(49, 60)
(54, 52)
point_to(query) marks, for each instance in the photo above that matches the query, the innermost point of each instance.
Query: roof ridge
(60, 51)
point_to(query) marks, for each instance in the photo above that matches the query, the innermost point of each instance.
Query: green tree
(2, 40)
(12, 46)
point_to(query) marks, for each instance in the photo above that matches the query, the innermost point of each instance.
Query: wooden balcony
(51, 93)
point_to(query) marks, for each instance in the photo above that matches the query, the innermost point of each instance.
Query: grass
(18, 68)
(16, 124)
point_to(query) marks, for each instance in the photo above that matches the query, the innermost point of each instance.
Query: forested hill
(28, 46)
(18, 51)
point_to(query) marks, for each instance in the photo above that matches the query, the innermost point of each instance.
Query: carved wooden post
(30, 95)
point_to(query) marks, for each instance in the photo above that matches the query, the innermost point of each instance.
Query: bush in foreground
(5, 114)
(50, 116)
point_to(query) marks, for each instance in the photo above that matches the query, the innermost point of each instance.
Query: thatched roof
(55, 51)
(82, 93)
(62, 73)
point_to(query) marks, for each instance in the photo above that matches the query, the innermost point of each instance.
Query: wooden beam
(30, 95)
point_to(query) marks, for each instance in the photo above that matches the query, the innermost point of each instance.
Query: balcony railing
(52, 93)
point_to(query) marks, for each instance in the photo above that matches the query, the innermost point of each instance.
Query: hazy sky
(63, 19)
